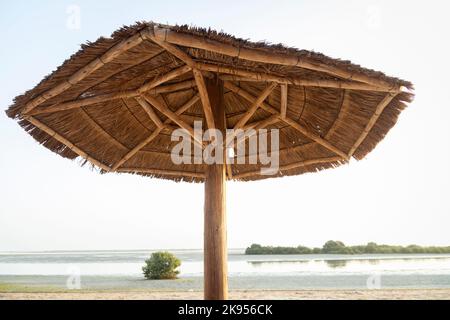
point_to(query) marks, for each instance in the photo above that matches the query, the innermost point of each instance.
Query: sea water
(245, 271)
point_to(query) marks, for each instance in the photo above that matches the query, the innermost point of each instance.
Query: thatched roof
(89, 107)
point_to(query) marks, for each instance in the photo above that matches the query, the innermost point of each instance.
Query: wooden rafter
(102, 131)
(378, 111)
(280, 151)
(194, 159)
(314, 137)
(199, 80)
(172, 116)
(182, 85)
(151, 113)
(287, 120)
(97, 63)
(66, 142)
(163, 172)
(133, 151)
(259, 123)
(257, 126)
(173, 49)
(291, 166)
(121, 70)
(154, 134)
(235, 74)
(263, 56)
(68, 105)
(201, 85)
(255, 105)
(163, 78)
(284, 100)
(342, 113)
(321, 83)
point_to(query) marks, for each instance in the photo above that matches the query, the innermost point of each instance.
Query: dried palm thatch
(116, 101)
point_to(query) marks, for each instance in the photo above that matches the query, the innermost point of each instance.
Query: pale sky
(398, 195)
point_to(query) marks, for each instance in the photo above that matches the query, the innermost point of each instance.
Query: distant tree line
(338, 247)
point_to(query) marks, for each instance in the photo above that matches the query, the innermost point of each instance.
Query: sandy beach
(384, 294)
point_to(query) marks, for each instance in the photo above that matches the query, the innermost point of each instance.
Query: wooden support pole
(215, 232)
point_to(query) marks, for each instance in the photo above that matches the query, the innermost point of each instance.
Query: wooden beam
(247, 96)
(342, 112)
(234, 74)
(257, 126)
(194, 159)
(126, 67)
(163, 78)
(163, 172)
(378, 111)
(255, 105)
(102, 131)
(287, 120)
(85, 71)
(186, 106)
(205, 99)
(280, 151)
(315, 137)
(66, 142)
(173, 49)
(309, 162)
(168, 88)
(262, 123)
(290, 166)
(154, 134)
(264, 56)
(172, 116)
(284, 100)
(151, 113)
(68, 105)
(133, 151)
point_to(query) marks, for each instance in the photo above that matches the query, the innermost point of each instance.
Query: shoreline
(323, 294)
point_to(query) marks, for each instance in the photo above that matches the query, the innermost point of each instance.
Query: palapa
(116, 102)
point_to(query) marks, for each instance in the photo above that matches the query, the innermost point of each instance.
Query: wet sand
(383, 294)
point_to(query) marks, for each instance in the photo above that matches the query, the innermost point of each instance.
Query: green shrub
(161, 265)
(335, 247)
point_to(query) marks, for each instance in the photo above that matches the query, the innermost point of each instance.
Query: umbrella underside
(116, 102)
